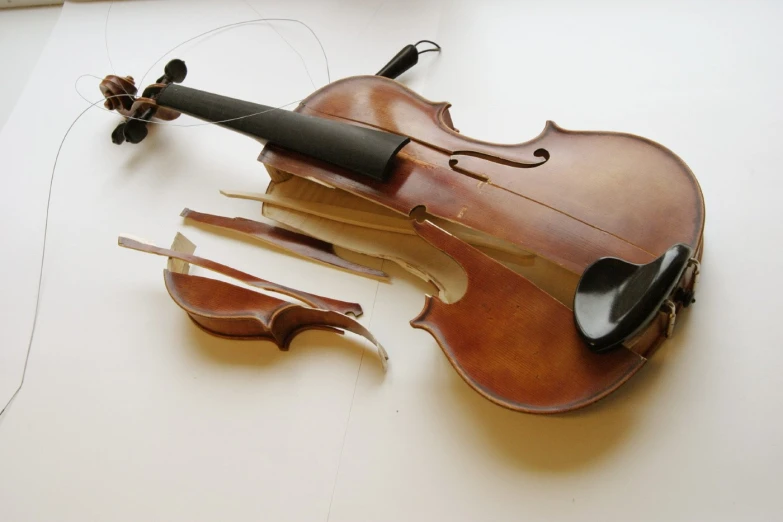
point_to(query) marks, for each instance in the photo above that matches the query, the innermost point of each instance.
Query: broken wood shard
(408, 250)
(512, 342)
(293, 242)
(389, 221)
(182, 243)
(231, 311)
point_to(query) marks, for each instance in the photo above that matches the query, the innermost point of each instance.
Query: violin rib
(184, 252)
(231, 311)
(299, 244)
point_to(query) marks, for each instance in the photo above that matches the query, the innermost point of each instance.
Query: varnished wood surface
(317, 301)
(512, 342)
(599, 193)
(232, 311)
(409, 251)
(299, 244)
(569, 198)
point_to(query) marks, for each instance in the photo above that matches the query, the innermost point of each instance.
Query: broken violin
(561, 262)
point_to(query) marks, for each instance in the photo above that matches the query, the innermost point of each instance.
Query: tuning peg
(174, 72)
(120, 95)
(118, 134)
(135, 130)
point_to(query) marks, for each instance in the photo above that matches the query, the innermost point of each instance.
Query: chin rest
(615, 299)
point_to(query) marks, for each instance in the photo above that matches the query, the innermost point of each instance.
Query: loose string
(126, 94)
(106, 37)
(43, 259)
(294, 49)
(239, 24)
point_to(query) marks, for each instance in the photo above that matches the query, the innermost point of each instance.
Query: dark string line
(435, 49)
(301, 58)
(238, 24)
(43, 259)
(106, 37)
(94, 104)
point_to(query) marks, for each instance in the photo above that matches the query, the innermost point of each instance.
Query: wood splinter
(293, 242)
(185, 253)
(231, 311)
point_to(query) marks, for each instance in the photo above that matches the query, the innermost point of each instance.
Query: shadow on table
(564, 442)
(266, 353)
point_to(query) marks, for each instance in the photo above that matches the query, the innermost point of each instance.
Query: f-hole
(470, 168)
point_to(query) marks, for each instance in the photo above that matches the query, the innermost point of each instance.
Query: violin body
(598, 193)
(561, 262)
(565, 199)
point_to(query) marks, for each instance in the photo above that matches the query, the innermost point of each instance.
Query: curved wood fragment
(317, 301)
(512, 342)
(299, 244)
(232, 311)
(378, 220)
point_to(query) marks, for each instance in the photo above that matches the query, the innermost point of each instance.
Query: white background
(130, 412)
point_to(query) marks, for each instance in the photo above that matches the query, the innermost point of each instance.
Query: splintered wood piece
(388, 222)
(409, 251)
(299, 244)
(184, 252)
(231, 311)
(512, 342)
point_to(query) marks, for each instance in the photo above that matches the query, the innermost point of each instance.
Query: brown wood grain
(512, 342)
(326, 303)
(568, 197)
(299, 244)
(231, 311)
(599, 193)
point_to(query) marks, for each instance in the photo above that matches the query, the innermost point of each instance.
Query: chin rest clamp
(682, 296)
(615, 299)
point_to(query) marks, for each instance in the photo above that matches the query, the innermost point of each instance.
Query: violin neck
(361, 150)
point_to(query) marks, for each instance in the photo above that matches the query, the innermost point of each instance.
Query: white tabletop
(130, 412)
(23, 35)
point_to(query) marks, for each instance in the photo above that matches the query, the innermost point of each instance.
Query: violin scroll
(120, 93)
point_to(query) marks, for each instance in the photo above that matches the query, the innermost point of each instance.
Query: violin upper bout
(379, 102)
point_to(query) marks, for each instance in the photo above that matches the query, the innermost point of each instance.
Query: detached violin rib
(231, 311)
(187, 256)
(299, 244)
(523, 351)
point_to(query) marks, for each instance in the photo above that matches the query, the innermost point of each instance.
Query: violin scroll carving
(120, 93)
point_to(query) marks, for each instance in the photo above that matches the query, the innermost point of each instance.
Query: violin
(561, 262)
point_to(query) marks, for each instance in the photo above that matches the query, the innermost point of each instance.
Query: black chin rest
(615, 299)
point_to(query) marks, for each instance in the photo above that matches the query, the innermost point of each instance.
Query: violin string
(290, 45)
(43, 259)
(239, 24)
(95, 104)
(106, 38)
